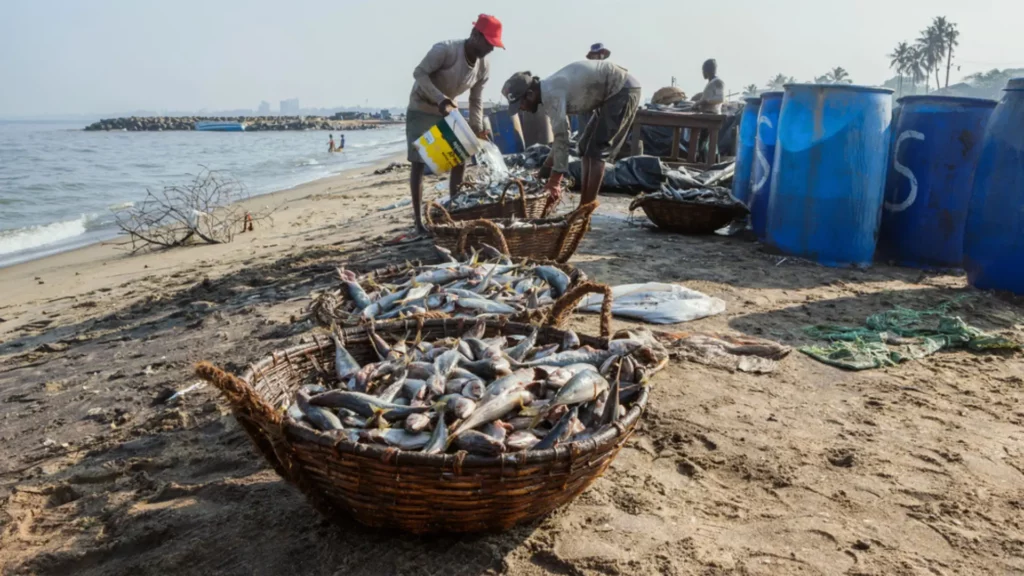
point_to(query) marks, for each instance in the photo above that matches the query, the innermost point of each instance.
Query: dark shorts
(416, 123)
(609, 125)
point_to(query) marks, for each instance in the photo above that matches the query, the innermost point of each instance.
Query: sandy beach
(910, 470)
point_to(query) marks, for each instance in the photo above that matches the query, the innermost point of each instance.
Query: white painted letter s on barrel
(893, 207)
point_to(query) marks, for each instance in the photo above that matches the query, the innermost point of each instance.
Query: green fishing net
(894, 336)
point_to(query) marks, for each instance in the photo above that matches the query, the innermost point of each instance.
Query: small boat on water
(215, 126)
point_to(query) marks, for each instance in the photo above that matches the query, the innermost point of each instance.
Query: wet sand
(917, 469)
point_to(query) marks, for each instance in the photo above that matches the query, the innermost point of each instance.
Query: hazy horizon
(65, 58)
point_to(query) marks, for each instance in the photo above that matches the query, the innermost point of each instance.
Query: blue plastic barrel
(828, 179)
(936, 143)
(745, 149)
(764, 158)
(507, 134)
(994, 233)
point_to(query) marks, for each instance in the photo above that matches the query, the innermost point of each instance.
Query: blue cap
(599, 47)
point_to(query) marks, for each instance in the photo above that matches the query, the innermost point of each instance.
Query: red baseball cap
(490, 27)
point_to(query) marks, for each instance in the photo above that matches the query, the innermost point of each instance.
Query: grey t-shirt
(579, 88)
(445, 73)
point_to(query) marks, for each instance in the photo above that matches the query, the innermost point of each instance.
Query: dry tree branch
(205, 210)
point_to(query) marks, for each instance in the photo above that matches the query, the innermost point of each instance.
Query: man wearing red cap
(446, 72)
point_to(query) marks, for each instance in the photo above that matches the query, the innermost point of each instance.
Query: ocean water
(59, 184)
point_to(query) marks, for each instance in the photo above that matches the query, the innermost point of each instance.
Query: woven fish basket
(528, 205)
(328, 309)
(410, 491)
(554, 239)
(686, 217)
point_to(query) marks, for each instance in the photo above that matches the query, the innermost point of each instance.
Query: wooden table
(678, 121)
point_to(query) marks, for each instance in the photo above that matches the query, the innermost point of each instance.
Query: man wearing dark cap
(711, 99)
(446, 72)
(580, 88)
(598, 52)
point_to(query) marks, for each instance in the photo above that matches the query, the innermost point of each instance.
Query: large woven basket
(323, 309)
(554, 239)
(686, 217)
(411, 491)
(533, 205)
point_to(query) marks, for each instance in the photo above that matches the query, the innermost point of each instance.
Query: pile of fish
(486, 284)
(484, 396)
(713, 195)
(485, 190)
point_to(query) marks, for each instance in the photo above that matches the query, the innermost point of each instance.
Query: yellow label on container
(438, 151)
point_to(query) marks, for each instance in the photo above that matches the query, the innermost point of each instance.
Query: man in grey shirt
(446, 72)
(582, 87)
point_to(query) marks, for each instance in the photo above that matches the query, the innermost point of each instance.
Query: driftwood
(206, 210)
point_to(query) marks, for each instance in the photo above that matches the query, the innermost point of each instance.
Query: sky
(104, 56)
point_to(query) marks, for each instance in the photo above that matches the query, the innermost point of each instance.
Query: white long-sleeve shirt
(578, 88)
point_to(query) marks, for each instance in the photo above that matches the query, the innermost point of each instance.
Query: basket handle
(491, 227)
(447, 218)
(584, 211)
(637, 202)
(568, 302)
(522, 194)
(239, 394)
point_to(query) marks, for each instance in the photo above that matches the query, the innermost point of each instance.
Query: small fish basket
(528, 205)
(329, 309)
(415, 492)
(554, 239)
(686, 217)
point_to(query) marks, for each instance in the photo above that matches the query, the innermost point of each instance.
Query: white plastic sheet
(656, 303)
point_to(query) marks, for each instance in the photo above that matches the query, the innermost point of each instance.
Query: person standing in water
(331, 147)
(447, 71)
(341, 143)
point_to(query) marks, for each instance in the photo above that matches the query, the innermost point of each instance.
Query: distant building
(385, 114)
(290, 107)
(264, 109)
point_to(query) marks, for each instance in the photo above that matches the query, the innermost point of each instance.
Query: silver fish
(389, 301)
(363, 404)
(560, 432)
(417, 292)
(477, 331)
(417, 422)
(439, 437)
(455, 385)
(436, 385)
(420, 370)
(447, 362)
(584, 387)
(479, 443)
(392, 391)
(558, 280)
(584, 355)
(493, 408)
(624, 346)
(518, 352)
(487, 306)
(611, 407)
(543, 352)
(517, 379)
(380, 346)
(571, 341)
(496, 430)
(521, 440)
(561, 376)
(488, 368)
(396, 437)
(344, 364)
(414, 388)
(461, 406)
(371, 311)
(444, 276)
(474, 389)
(323, 418)
(296, 413)
(357, 294)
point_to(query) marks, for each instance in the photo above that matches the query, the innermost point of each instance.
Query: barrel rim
(751, 98)
(847, 87)
(1014, 84)
(773, 94)
(916, 98)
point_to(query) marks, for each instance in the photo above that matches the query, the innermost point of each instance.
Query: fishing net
(894, 336)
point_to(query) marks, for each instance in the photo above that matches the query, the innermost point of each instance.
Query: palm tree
(899, 58)
(779, 82)
(915, 67)
(951, 36)
(825, 79)
(839, 76)
(751, 90)
(932, 46)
